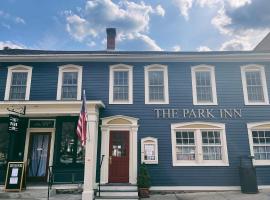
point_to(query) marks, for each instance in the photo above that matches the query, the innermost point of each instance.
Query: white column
(90, 154)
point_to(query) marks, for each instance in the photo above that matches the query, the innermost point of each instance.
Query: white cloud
(91, 44)
(19, 20)
(11, 45)
(177, 48)
(184, 6)
(221, 20)
(160, 10)
(4, 16)
(238, 3)
(138, 42)
(203, 48)
(209, 3)
(129, 18)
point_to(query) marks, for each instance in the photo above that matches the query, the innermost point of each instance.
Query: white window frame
(203, 68)
(257, 126)
(156, 67)
(149, 140)
(18, 68)
(197, 128)
(121, 67)
(254, 67)
(69, 68)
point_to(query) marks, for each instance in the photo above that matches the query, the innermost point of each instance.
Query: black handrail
(50, 181)
(100, 164)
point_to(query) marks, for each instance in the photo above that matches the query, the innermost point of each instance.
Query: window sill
(157, 102)
(153, 162)
(205, 104)
(201, 164)
(257, 104)
(261, 162)
(121, 102)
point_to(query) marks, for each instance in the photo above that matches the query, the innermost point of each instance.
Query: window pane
(185, 149)
(120, 87)
(254, 86)
(261, 144)
(156, 86)
(18, 86)
(4, 140)
(203, 86)
(211, 145)
(69, 86)
(67, 142)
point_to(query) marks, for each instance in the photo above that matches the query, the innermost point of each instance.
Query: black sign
(15, 176)
(41, 123)
(13, 126)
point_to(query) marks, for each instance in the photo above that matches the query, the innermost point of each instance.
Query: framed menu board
(15, 176)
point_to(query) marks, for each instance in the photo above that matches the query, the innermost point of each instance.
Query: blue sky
(169, 25)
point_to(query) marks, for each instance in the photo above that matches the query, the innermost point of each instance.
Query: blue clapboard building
(189, 116)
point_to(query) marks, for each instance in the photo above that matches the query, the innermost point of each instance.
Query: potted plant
(143, 181)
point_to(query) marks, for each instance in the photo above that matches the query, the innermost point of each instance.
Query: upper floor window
(199, 144)
(121, 84)
(204, 85)
(259, 140)
(69, 82)
(254, 85)
(18, 82)
(156, 84)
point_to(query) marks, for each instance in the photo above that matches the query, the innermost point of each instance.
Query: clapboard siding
(229, 95)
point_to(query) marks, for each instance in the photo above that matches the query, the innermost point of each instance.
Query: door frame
(48, 155)
(110, 145)
(40, 130)
(119, 123)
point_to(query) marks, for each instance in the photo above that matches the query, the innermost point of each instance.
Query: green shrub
(144, 177)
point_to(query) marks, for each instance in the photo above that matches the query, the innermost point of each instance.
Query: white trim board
(201, 188)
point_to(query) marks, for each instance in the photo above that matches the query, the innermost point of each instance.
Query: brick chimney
(111, 34)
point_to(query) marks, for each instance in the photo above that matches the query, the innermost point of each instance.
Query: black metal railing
(100, 165)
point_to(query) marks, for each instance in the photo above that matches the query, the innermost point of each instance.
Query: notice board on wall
(15, 176)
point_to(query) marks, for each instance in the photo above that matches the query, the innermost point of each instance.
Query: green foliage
(144, 177)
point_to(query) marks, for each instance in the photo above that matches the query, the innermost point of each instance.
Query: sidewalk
(231, 195)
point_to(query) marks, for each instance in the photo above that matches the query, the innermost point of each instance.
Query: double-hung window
(254, 85)
(18, 83)
(259, 140)
(121, 84)
(69, 82)
(204, 85)
(199, 144)
(156, 84)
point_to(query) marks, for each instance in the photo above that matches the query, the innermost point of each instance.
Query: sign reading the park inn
(209, 113)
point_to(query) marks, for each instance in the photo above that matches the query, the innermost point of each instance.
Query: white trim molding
(257, 126)
(119, 123)
(18, 68)
(197, 128)
(211, 70)
(149, 141)
(125, 68)
(156, 67)
(69, 68)
(254, 67)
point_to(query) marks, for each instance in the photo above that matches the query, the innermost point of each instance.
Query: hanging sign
(15, 176)
(13, 126)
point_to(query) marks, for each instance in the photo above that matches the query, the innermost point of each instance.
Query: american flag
(82, 123)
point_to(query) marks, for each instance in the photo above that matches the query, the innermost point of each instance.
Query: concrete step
(118, 187)
(115, 198)
(119, 193)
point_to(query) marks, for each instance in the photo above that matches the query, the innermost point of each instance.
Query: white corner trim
(121, 67)
(69, 68)
(254, 127)
(149, 140)
(254, 67)
(18, 68)
(198, 143)
(156, 67)
(207, 68)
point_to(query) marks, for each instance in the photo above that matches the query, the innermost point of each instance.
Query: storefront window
(4, 140)
(71, 150)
